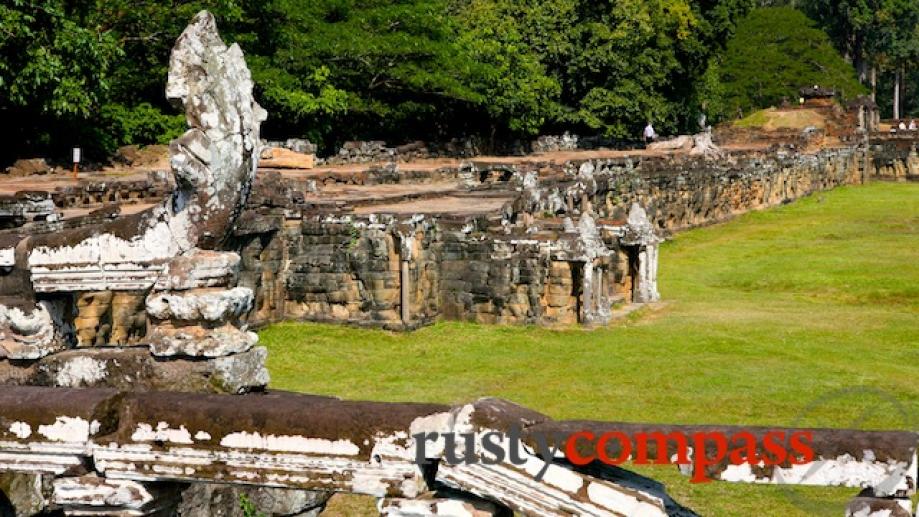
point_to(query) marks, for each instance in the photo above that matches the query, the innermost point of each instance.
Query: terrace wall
(495, 268)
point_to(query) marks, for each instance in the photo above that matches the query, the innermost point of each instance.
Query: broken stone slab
(303, 442)
(47, 432)
(560, 491)
(91, 495)
(276, 439)
(882, 460)
(135, 369)
(128, 253)
(879, 507)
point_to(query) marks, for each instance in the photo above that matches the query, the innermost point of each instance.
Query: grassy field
(803, 315)
(771, 119)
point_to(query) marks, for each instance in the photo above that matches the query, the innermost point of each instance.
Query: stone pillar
(639, 232)
(598, 290)
(646, 290)
(406, 252)
(406, 292)
(587, 292)
(604, 296)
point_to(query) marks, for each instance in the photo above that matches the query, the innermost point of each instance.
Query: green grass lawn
(803, 315)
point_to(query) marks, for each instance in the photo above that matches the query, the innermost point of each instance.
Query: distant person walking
(902, 126)
(649, 133)
(912, 125)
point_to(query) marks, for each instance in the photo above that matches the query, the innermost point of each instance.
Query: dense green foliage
(331, 70)
(765, 315)
(775, 52)
(92, 73)
(876, 35)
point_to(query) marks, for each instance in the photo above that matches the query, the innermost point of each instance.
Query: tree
(900, 28)
(518, 41)
(644, 60)
(851, 24)
(775, 52)
(393, 68)
(878, 36)
(53, 71)
(334, 70)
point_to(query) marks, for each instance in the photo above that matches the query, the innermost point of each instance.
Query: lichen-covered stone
(210, 500)
(137, 369)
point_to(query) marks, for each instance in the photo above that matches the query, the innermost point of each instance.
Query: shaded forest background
(92, 73)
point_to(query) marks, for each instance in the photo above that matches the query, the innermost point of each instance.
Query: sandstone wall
(506, 267)
(681, 194)
(895, 156)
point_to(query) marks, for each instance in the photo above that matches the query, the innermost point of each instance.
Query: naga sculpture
(168, 254)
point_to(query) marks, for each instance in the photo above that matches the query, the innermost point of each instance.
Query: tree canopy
(92, 73)
(880, 38)
(776, 51)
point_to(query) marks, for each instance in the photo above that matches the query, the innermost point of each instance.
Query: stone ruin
(148, 313)
(103, 452)
(158, 277)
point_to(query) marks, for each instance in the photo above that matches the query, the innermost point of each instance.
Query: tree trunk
(861, 64)
(874, 82)
(896, 95)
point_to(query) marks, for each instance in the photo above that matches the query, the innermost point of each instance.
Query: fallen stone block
(29, 167)
(280, 158)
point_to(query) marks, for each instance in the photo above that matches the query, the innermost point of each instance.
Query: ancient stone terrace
(158, 291)
(533, 239)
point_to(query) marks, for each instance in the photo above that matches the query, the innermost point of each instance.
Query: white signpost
(76, 161)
